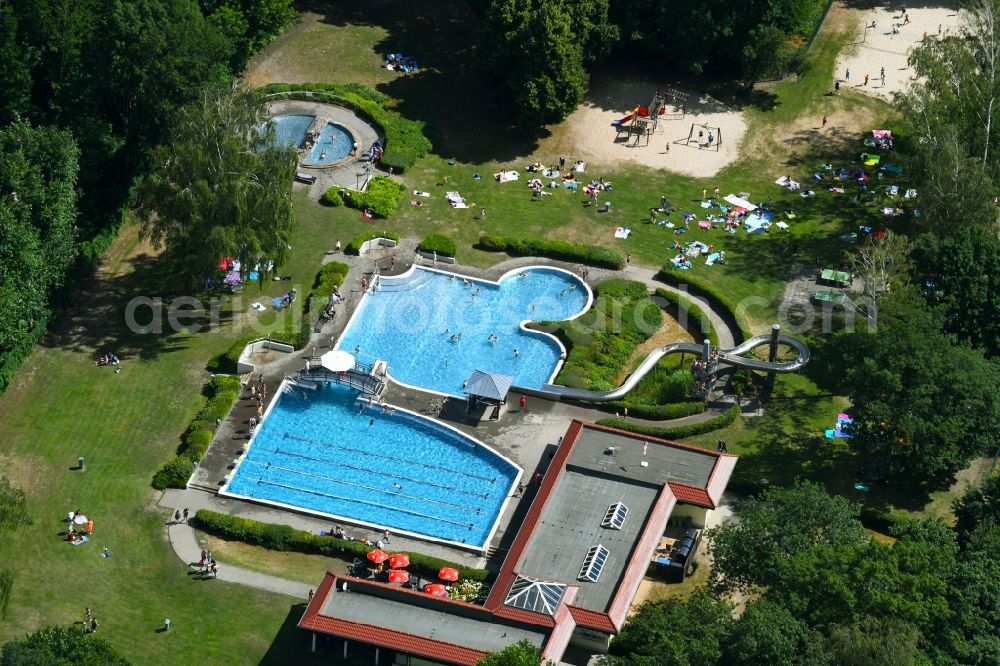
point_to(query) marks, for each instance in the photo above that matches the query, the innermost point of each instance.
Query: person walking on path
(847, 75)
(866, 79)
(185, 515)
(883, 77)
(177, 516)
(522, 402)
(824, 121)
(628, 261)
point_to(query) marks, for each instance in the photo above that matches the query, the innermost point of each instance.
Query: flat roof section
(418, 620)
(666, 463)
(570, 525)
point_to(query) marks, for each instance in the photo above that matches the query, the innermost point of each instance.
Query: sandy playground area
(588, 134)
(878, 47)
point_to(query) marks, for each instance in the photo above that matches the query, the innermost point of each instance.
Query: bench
(304, 178)
(829, 296)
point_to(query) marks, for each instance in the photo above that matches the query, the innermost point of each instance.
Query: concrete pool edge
(480, 549)
(408, 274)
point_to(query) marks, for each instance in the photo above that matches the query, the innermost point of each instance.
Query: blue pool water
(402, 472)
(408, 322)
(334, 140)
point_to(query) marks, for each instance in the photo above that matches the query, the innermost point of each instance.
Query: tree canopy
(520, 654)
(67, 646)
(922, 403)
(832, 595)
(220, 186)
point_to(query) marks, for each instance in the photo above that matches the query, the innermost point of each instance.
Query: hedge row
(676, 432)
(285, 538)
(380, 198)
(725, 307)
(553, 249)
(698, 324)
(439, 243)
(405, 141)
(353, 246)
(222, 392)
(673, 410)
(332, 197)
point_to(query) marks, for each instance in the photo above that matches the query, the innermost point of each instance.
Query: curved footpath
(186, 546)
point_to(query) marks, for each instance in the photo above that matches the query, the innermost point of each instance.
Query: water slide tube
(732, 356)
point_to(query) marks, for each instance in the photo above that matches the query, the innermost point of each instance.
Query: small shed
(486, 389)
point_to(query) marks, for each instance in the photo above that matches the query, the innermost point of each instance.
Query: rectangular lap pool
(326, 453)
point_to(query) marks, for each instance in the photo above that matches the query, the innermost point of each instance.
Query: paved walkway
(182, 538)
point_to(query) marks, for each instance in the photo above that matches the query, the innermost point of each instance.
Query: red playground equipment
(643, 120)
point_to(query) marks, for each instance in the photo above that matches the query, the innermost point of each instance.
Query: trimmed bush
(673, 410)
(443, 245)
(676, 432)
(380, 199)
(696, 321)
(332, 197)
(553, 249)
(196, 443)
(329, 277)
(725, 307)
(405, 140)
(221, 392)
(285, 538)
(353, 246)
(174, 474)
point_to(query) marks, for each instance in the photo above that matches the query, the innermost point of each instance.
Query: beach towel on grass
(706, 204)
(418, 193)
(704, 224)
(737, 201)
(910, 193)
(259, 307)
(711, 259)
(622, 232)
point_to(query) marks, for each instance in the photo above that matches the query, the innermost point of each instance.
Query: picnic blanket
(259, 307)
(737, 201)
(418, 193)
(910, 193)
(788, 183)
(456, 200)
(711, 259)
(278, 302)
(571, 184)
(506, 176)
(756, 224)
(622, 232)
(704, 224)
(681, 263)
(707, 204)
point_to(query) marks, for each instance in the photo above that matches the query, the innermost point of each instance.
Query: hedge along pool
(327, 453)
(434, 328)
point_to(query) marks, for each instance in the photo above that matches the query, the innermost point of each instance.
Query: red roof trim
(642, 554)
(691, 495)
(505, 578)
(593, 619)
(395, 640)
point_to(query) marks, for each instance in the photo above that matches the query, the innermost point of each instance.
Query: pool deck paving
(529, 437)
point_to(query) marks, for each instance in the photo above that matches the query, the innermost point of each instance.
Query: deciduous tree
(220, 186)
(520, 654)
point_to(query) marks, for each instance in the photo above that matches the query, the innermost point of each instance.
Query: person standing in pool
(516, 352)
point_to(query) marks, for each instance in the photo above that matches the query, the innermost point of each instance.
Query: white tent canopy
(743, 203)
(337, 361)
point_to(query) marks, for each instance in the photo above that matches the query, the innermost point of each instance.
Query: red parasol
(399, 576)
(447, 573)
(739, 209)
(436, 589)
(399, 560)
(378, 556)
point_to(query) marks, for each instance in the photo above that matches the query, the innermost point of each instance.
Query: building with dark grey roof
(573, 567)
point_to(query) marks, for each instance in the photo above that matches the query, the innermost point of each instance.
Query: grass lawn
(293, 566)
(126, 425)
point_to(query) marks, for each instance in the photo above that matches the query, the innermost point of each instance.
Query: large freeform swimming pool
(434, 328)
(324, 452)
(333, 143)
